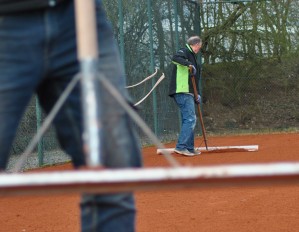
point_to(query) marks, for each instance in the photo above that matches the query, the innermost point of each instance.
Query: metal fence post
(149, 5)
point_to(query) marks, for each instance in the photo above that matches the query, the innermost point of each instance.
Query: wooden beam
(118, 180)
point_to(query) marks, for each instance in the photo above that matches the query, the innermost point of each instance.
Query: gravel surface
(50, 158)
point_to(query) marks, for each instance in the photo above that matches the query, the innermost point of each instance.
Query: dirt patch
(263, 208)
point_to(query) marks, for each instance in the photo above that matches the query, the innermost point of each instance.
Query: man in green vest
(181, 89)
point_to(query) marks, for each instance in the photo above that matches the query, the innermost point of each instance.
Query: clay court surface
(229, 209)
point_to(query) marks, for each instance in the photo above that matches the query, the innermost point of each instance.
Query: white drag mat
(218, 149)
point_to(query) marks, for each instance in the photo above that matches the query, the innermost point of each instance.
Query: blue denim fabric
(38, 55)
(186, 105)
(116, 213)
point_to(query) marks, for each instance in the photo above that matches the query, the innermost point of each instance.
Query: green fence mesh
(250, 64)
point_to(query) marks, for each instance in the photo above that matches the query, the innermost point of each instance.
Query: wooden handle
(86, 29)
(199, 112)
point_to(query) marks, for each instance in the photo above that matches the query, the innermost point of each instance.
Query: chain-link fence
(250, 64)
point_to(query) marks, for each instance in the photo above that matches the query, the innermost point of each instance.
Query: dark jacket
(16, 6)
(180, 82)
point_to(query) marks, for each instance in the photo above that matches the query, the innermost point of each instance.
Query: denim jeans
(186, 105)
(38, 55)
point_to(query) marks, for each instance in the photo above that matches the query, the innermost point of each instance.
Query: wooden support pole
(87, 43)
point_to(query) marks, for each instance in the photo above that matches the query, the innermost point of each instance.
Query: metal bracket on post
(88, 58)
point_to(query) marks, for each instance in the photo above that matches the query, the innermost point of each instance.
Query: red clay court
(259, 208)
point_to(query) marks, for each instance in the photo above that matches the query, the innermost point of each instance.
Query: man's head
(195, 43)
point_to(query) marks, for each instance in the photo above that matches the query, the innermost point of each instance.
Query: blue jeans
(38, 54)
(186, 105)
